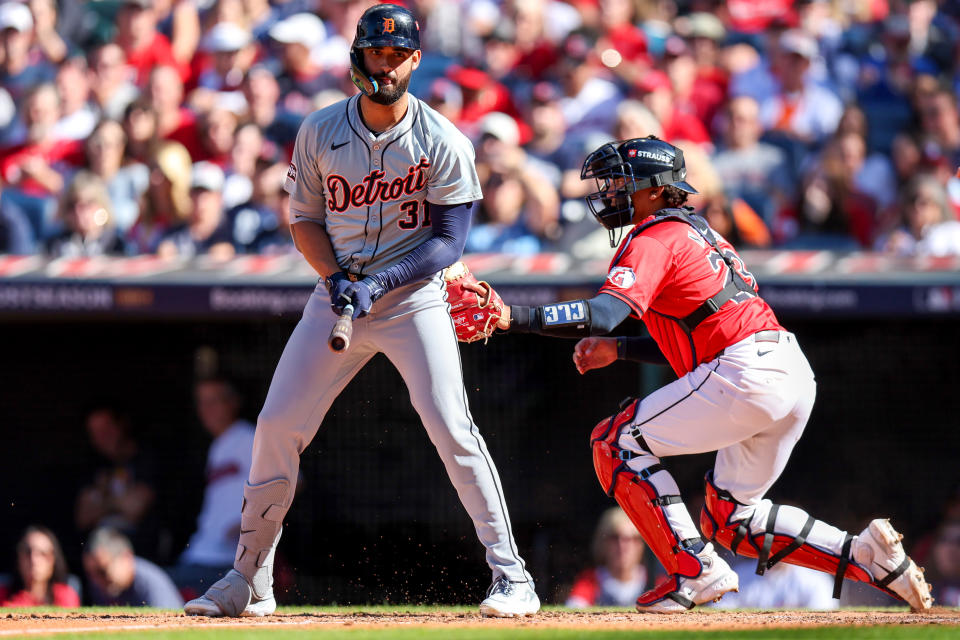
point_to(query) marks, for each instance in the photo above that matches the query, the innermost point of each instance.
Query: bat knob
(338, 343)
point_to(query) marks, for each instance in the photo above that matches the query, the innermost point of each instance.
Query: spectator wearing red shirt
(174, 121)
(41, 577)
(624, 38)
(144, 46)
(657, 94)
(34, 171)
(619, 576)
(482, 95)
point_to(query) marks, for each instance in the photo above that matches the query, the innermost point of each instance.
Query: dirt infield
(37, 623)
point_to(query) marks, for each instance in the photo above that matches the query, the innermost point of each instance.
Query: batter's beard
(387, 95)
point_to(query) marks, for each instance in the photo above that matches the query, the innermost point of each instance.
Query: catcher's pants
(750, 405)
(412, 327)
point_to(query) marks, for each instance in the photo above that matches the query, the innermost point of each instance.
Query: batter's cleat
(231, 597)
(679, 594)
(878, 548)
(507, 599)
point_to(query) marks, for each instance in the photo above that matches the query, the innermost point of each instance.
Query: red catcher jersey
(667, 271)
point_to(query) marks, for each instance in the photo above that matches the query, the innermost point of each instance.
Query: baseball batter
(382, 190)
(745, 390)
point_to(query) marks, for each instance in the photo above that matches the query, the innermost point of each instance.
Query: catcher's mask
(623, 168)
(382, 25)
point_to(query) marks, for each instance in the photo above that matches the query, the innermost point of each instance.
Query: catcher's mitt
(474, 305)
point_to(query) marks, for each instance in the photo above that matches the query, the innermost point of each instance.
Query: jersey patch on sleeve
(622, 277)
(292, 173)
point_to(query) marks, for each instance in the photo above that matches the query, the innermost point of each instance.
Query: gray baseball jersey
(370, 190)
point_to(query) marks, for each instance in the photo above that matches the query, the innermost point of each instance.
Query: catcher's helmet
(382, 25)
(622, 168)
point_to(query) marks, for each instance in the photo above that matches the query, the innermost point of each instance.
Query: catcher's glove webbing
(474, 306)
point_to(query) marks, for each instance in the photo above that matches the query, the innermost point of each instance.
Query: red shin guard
(639, 497)
(770, 547)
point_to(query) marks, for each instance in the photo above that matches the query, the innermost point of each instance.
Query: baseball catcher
(745, 390)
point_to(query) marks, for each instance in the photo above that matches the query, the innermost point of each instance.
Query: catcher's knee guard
(639, 496)
(261, 523)
(787, 542)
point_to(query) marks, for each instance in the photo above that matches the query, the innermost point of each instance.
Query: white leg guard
(261, 523)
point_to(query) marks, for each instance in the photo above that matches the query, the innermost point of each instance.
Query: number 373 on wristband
(564, 313)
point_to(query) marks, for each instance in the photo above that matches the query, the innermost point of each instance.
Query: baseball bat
(342, 331)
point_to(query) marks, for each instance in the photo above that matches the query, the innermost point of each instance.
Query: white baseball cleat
(507, 599)
(878, 548)
(231, 597)
(679, 594)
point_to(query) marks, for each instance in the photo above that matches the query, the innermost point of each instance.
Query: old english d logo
(389, 25)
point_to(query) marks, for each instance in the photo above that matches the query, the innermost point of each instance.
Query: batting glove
(336, 285)
(362, 295)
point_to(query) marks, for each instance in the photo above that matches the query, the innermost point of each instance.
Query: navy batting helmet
(382, 25)
(623, 168)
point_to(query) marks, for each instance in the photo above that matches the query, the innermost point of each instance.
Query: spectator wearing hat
(483, 95)
(301, 76)
(262, 224)
(234, 50)
(801, 110)
(111, 88)
(205, 231)
(21, 69)
(446, 98)
(78, 116)
(143, 45)
(520, 210)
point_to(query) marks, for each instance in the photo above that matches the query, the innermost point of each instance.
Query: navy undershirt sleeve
(603, 314)
(450, 224)
(640, 349)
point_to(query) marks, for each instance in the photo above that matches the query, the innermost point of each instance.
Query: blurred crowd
(165, 127)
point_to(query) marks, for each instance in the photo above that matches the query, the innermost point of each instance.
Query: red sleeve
(586, 586)
(638, 272)
(65, 596)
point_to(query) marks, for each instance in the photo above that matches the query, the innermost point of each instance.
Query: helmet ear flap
(358, 73)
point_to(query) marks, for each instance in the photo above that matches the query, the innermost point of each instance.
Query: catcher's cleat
(678, 594)
(507, 599)
(230, 596)
(878, 548)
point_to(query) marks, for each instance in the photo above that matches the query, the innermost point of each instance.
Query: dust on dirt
(34, 623)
